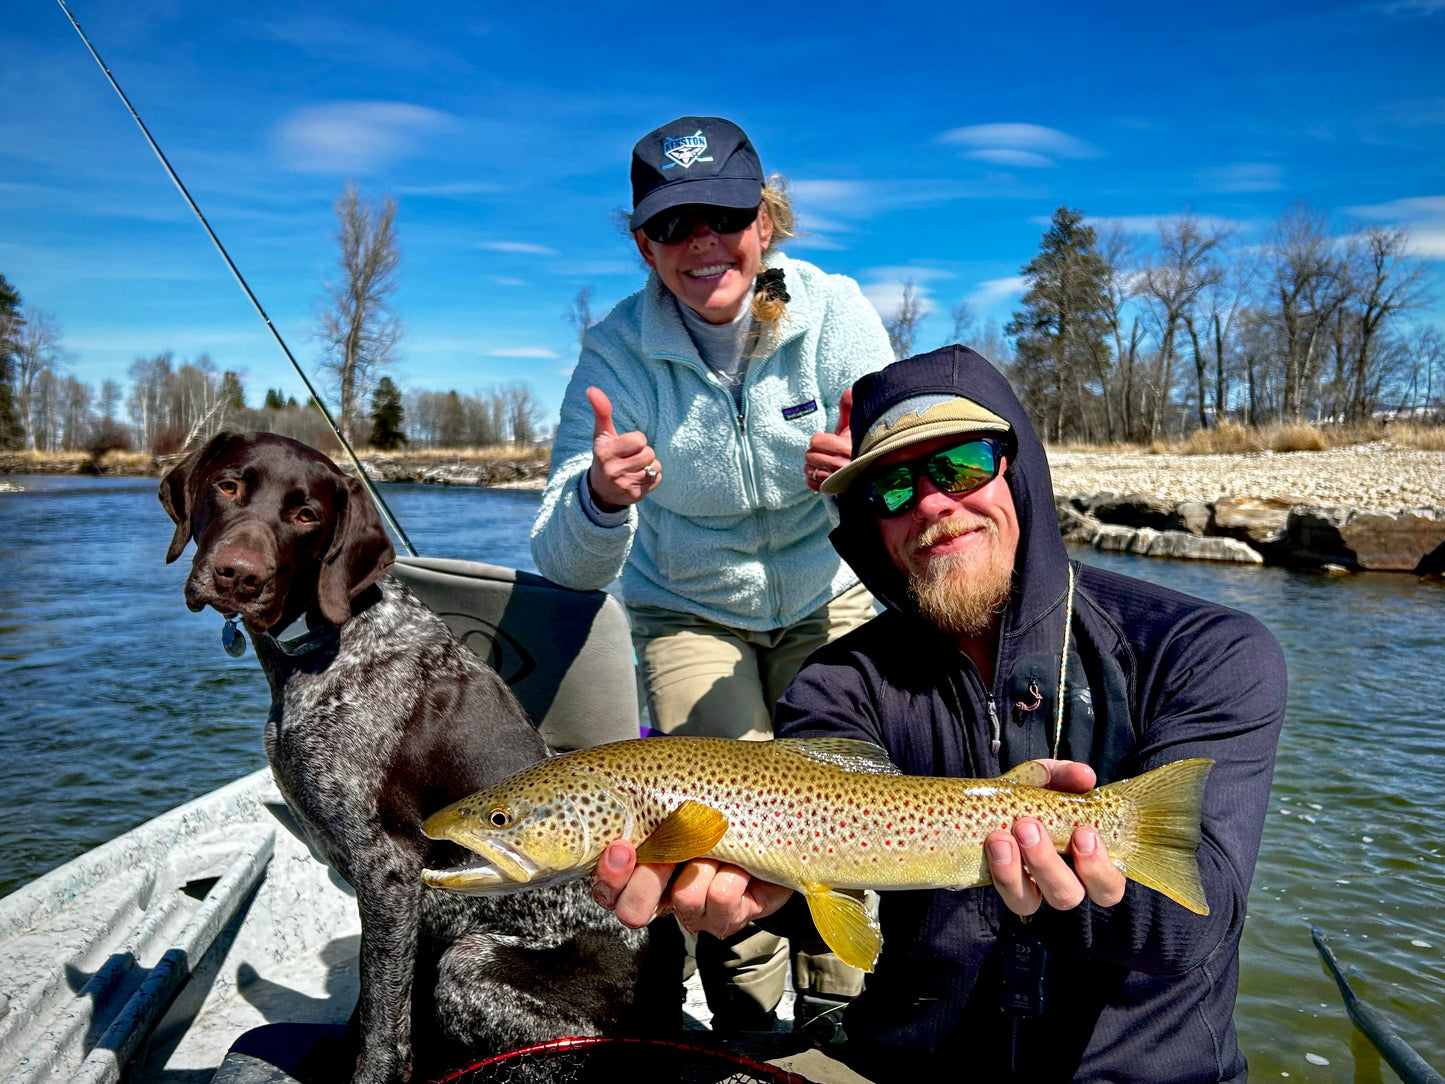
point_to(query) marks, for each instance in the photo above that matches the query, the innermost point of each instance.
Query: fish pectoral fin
(690, 830)
(1028, 774)
(845, 925)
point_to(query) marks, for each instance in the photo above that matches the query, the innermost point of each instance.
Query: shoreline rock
(1367, 507)
(1303, 536)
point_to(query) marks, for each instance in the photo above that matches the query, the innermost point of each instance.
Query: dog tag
(233, 639)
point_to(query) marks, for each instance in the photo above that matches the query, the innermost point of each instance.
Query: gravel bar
(1376, 475)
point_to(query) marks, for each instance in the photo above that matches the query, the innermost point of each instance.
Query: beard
(961, 593)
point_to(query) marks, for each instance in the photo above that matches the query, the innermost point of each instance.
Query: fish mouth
(494, 870)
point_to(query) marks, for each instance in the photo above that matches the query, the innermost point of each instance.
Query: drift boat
(153, 953)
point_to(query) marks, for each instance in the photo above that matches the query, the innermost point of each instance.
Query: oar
(1408, 1065)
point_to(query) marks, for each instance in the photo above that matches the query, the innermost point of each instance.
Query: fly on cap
(704, 160)
(909, 402)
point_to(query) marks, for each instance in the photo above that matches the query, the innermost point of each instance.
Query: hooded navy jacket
(1143, 991)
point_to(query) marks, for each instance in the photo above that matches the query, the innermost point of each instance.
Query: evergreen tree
(232, 391)
(274, 400)
(386, 416)
(1061, 332)
(11, 434)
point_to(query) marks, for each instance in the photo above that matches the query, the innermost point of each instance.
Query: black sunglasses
(954, 470)
(677, 223)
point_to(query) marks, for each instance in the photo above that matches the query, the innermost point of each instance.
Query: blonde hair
(778, 206)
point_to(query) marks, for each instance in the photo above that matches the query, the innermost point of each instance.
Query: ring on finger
(651, 469)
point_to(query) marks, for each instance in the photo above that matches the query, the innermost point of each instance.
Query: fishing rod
(1408, 1065)
(376, 497)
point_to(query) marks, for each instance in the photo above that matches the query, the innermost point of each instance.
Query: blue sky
(924, 142)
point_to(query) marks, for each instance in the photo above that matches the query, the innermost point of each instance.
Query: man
(1061, 970)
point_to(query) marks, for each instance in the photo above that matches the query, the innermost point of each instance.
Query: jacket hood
(1040, 566)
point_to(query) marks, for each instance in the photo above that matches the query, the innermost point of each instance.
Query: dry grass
(1231, 438)
(48, 459)
(521, 453)
(116, 461)
(1427, 438)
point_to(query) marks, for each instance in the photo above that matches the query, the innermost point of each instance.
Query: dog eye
(228, 487)
(500, 818)
(306, 515)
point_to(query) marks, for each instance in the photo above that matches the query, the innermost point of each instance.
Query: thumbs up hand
(624, 468)
(828, 452)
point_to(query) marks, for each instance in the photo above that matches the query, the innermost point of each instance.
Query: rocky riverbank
(1370, 506)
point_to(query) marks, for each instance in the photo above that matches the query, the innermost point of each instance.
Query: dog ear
(181, 484)
(360, 553)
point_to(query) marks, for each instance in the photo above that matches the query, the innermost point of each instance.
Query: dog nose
(240, 572)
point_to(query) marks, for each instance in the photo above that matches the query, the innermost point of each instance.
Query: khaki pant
(709, 680)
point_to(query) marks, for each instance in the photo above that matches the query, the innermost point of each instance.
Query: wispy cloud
(1150, 225)
(1413, 7)
(884, 288)
(995, 291)
(1243, 177)
(524, 248)
(1422, 216)
(354, 137)
(1023, 146)
(521, 352)
(452, 190)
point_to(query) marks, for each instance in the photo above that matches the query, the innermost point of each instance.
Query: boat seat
(566, 654)
(274, 1054)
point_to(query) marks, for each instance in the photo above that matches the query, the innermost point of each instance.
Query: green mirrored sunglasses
(954, 470)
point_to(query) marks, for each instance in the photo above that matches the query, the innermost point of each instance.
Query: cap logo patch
(685, 150)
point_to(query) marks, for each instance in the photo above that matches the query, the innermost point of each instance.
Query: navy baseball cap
(704, 160)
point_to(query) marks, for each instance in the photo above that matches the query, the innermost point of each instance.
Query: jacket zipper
(994, 724)
(740, 420)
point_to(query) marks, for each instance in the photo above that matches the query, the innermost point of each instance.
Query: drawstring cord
(1064, 662)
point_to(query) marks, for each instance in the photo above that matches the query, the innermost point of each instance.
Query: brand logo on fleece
(802, 410)
(685, 150)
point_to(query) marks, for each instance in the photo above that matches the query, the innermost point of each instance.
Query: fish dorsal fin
(690, 830)
(851, 754)
(1028, 774)
(845, 925)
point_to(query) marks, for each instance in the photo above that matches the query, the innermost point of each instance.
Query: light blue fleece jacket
(732, 533)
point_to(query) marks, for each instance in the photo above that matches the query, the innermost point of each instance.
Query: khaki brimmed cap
(912, 421)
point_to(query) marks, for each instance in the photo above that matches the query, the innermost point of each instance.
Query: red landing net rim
(761, 1069)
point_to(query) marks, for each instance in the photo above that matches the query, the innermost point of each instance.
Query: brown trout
(815, 814)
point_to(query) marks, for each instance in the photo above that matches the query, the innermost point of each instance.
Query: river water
(117, 703)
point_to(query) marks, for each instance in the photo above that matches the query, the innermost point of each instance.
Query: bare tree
(1309, 283)
(37, 353)
(359, 329)
(964, 319)
(1386, 283)
(902, 326)
(1183, 267)
(1120, 287)
(579, 314)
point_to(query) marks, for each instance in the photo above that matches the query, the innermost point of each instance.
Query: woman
(703, 414)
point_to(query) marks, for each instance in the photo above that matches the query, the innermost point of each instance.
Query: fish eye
(500, 818)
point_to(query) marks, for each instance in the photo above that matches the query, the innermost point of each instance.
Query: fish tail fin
(1169, 802)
